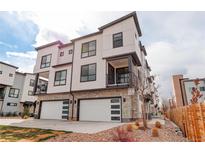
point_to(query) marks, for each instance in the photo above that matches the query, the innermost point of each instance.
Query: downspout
(71, 79)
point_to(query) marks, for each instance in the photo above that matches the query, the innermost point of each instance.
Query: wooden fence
(191, 120)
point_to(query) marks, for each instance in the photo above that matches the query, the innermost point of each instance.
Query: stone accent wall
(60, 96)
(130, 103)
(126, 106)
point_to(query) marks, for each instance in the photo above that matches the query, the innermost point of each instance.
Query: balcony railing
(41, 89)
(126, 79)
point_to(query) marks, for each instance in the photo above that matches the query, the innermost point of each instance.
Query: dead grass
(20, 134)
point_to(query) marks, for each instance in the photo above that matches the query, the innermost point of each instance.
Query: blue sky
(174, 40)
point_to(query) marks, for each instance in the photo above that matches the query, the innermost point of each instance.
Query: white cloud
(67, 25)
(7, 45)
(29, 54)
(24, 60)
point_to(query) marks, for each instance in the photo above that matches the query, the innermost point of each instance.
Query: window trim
(45, 63)
(88, 72)
(88, 48)
(60, 80)
(113, 40)
(14, 92)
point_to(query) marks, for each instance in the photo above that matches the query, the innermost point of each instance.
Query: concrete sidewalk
(75, 126)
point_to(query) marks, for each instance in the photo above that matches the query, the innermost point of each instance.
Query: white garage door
(55, 110)
(100, 110)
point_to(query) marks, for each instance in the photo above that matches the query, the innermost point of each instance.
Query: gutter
(71, 79)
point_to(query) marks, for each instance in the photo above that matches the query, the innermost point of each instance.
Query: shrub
(25, 113)
(158, 124)
(155, 132)
(1, 114)
(122, 135)
(8, 114)
(129, 127)
(137, 123)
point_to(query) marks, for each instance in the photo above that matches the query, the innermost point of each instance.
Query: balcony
(1, 93)
(120, 73)
(122, 80)
(41, 84)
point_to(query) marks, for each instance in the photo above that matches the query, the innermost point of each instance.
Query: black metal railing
(41, 89)
(126, 79)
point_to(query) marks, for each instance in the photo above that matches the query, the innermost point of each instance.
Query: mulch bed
(166, 134)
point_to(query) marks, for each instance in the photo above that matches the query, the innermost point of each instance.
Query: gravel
(166, 134)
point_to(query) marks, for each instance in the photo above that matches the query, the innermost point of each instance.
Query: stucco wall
(58, 89)
(78, 62)
(18, 83)
(5, 79)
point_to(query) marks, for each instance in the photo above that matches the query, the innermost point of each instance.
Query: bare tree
(145, 96)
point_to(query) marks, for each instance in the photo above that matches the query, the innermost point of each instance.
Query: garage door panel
(99, 110)
(54, 110)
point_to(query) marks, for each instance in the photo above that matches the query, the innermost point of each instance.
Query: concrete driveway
(78, 127)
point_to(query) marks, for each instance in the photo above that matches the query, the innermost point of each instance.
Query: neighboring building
(183, 87)
(95, 77)
(15, 89)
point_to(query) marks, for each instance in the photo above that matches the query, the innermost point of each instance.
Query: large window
(88, 73)
(13, 92)
(46, 61)
(60, 78)
(117, 40)
(88, 49)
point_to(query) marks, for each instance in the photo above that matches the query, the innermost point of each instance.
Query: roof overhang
(132, 14)
(8, 65)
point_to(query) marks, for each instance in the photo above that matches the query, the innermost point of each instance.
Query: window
(70, 51)
(61, 53)
(88, 49)
(11, 104)
(32, 83)
(13, 92)
(202, 88)
(1, 72)
(60, 78)
(10, 75)
(88, 73)
(46, 61)
(30, 93)
(115, 106)
(117, 40)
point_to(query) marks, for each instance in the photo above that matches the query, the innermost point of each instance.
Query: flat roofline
(8, 64)
(48, 45)
(85, 36)
(132, 14)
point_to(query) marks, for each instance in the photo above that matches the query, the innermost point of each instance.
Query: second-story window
(10, 75)
(117, 40)
(61, 53)
(13, 92)
(70, 51)
(1, 72)
(60, 78)
(88, 73)
(46, 61)
(88, 49)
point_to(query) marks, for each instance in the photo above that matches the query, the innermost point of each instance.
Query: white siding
(26, 88)
(4, 77)
(78, 62)
(59, 89)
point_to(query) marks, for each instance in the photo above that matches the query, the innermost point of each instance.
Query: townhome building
(95, 77)
(16, 89)
(182, 89)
